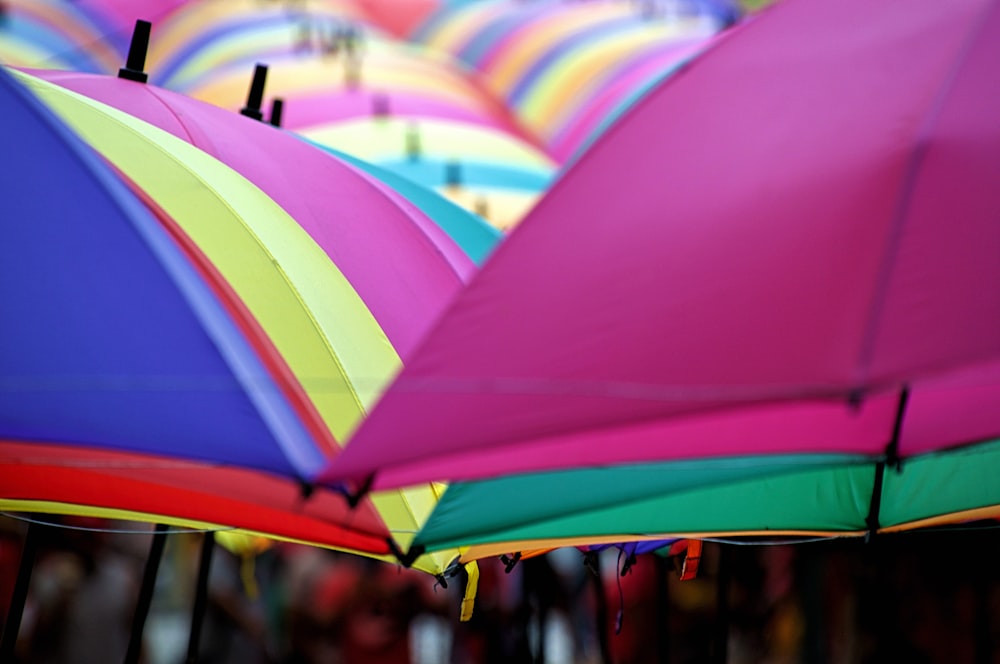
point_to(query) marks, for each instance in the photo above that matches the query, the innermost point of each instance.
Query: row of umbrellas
(770, 283)
(329, 358)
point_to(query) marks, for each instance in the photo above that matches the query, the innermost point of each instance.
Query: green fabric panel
(942, 483)
(731, 495)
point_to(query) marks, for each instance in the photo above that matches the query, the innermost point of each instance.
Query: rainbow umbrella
(810, 338)
(376, 233)
(562, 67)
(210, 35)
(122, 344)
(55, 35)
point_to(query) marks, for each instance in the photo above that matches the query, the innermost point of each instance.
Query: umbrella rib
(913, 166)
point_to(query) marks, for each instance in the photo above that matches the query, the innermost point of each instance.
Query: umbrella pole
(146, 593)
(20, 594)
(720, 646)
(662, 609)
(200, 597)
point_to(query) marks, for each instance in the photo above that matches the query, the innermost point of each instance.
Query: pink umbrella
(790, 247)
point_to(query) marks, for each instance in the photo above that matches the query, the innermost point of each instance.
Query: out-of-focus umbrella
(783, 274)
(55, 35)
(561, 67)
(211, 35)
(481, 168)
(117, 337)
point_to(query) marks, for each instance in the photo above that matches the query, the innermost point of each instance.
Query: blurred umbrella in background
(562, 67)
(208, 36)
(777, 335)
(55, 35)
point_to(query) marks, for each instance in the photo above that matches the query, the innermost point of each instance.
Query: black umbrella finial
(277, 106)
(256, 96)
(136, 61)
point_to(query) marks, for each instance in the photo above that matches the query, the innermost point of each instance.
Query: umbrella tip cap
(255, 97)
(136, 61)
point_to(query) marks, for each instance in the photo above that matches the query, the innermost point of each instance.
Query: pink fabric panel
(833, 427)
(304, 112)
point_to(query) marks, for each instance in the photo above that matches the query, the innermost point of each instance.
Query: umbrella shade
(53, 34)
(197, 36)
(383, 245)
(802, 260)
(552, 62)
(114, 337)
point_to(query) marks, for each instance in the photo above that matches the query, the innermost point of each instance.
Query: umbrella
(792, 292)
(209, 35)
(399, 262)
(53, 34)
(562, 66)
(116, 338)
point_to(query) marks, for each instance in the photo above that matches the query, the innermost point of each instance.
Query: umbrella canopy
(789, 251)
(382, 243)
(562, 66)
(53, 34)
(209, 35)
(399, 262)
(115, 336)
